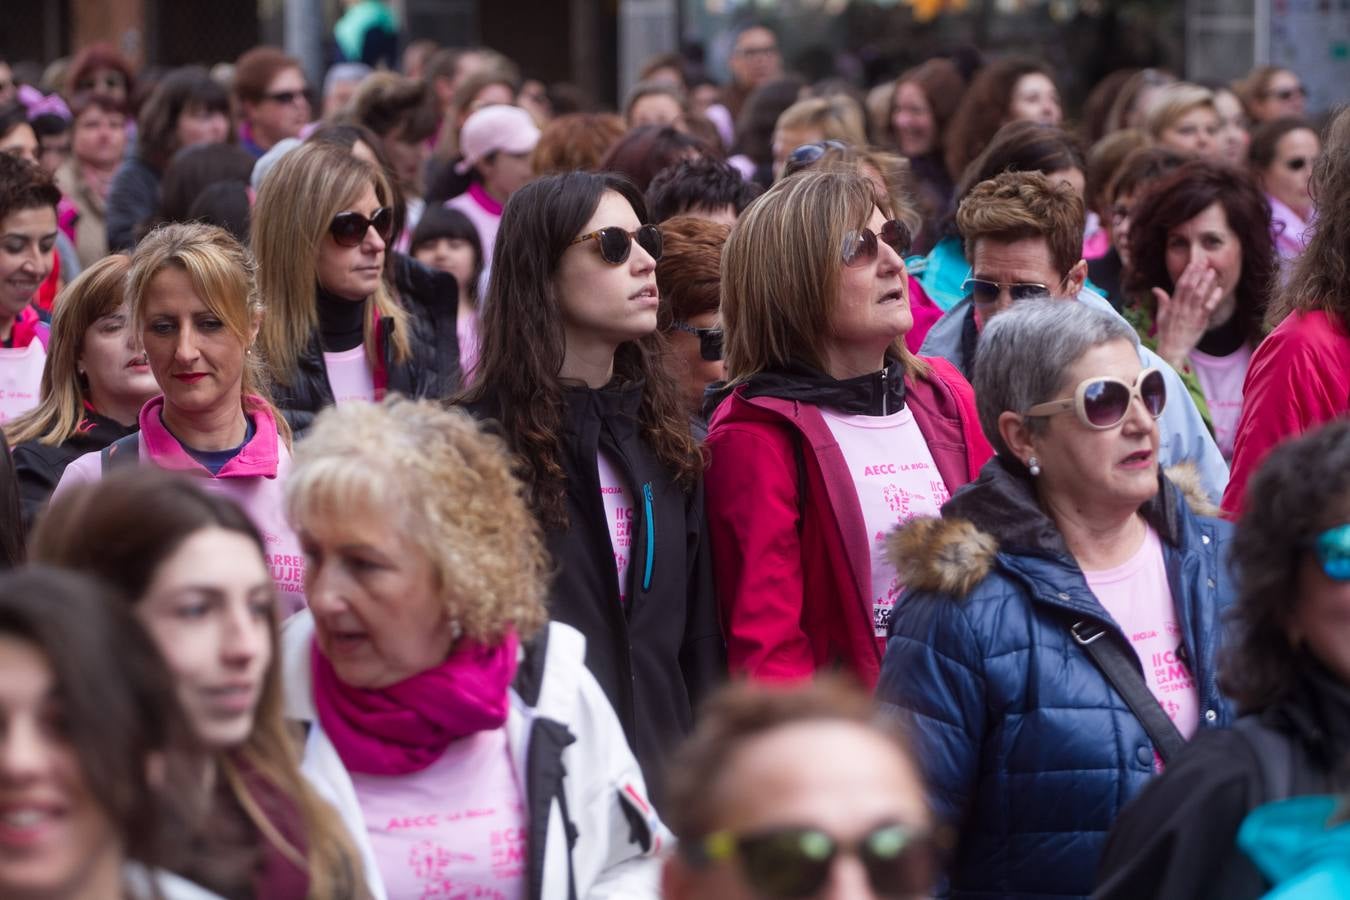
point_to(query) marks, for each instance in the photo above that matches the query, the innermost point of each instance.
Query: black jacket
(431, 299)
(659, 656)
(1178, 839)
(38, 467)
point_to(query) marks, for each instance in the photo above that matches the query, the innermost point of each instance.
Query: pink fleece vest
(255, 479)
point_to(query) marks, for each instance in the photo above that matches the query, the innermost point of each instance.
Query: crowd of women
(768, 491)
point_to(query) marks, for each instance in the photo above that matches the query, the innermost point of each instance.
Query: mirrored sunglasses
(616, 243)
(986, 292)
(1102, 403)
(1332, 548)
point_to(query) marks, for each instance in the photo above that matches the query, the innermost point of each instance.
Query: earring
(1034, 466)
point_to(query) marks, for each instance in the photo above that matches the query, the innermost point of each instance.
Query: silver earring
(1034, 466)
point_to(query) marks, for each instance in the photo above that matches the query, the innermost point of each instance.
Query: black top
(38, 467)
(341, 325)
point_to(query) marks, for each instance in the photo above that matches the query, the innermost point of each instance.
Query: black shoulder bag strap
(1121, 668)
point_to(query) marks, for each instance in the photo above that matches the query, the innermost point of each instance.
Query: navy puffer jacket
(1029, 752)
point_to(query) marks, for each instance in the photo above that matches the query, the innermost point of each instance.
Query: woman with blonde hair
(195, 309)
(94, 382)
(461, 738)
(829, 433)
(335, 332)
(1182, 117)
(191, 567)
(817, 120)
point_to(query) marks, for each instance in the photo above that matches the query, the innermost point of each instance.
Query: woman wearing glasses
(570, 370)
(1282, 154)
(1289, 674)
(1061, 627)
(1271, 92)
(270, 94)
(1202, 265)
(195, 307)
(829, 432)
(335, 331)
(688, 275)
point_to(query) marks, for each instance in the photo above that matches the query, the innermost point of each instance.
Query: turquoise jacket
(1299, 847)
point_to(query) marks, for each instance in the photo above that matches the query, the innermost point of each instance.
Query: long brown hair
(523, 342)
(123, 529)
(1321, 276)
(97, 292)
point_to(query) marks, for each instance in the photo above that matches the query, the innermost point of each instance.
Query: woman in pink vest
(194, 304)
(830, 433)
(28, 200)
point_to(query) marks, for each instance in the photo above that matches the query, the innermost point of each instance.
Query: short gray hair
(1024, 352)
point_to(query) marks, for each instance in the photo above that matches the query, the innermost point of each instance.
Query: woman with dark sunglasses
(807, 792)
(688, 275)
(570, 370)
(829, 430)
(1288, 671)
(1058, 641)
(335, 330)
(1282, 155)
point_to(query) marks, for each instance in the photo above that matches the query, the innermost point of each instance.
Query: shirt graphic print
(455, 830)
(619, 512)
(896, 480)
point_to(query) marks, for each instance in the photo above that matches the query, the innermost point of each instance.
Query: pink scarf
(406, 727)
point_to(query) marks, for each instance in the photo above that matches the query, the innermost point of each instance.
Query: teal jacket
(1302, 845)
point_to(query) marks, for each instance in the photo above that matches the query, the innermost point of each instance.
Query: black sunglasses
(349, 229)
(616, 243)
(709, 340)
(285, 98)
(1297, 163)
(807, 155)
(1289, 93)
(986, 292)
(860, 247)
(796, 862)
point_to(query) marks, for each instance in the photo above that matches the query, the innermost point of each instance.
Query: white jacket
(581, 778)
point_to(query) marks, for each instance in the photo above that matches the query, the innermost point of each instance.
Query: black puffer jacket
(431, 299)
(659, 656)
(38, 467)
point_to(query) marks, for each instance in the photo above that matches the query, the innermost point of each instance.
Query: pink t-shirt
(20, 378)
(466, 332)
(619, 517)
(1138, 597)
(1221, 379)
(456, 829)
(349, 375)
(897, 480)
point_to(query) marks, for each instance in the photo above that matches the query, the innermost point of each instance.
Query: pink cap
(495, 128)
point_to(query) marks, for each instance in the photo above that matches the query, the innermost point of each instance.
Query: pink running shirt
(619, 513)
(1221, 379)
(455, 829)
(349, 375)
(1138, 597)
(896, 480)
(20, 378)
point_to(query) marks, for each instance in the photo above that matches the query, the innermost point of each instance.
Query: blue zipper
(651, 536)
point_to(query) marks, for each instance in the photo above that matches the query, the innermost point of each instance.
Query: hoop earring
(1034, 466)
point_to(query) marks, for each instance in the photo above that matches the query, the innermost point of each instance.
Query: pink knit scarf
(407, 726)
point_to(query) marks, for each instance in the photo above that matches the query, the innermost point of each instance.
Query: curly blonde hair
(450, 488)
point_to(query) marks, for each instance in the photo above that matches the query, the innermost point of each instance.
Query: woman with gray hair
(1058, 639)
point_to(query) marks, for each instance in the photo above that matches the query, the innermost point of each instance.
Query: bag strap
(1122, 670)
(1274, 752)
(122, 453)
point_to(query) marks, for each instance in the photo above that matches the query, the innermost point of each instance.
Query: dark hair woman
(571, 369)
(1288, 671)
(87, 719)
(186, 108)
(644, 151)
(1202, 266)
(1007, 90)
(28, 229)
(1282, 155)
(1300, 375)
(192, 567)
(922, 106)
(446, 240)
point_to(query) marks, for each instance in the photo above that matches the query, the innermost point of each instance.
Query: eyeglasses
(757, 52)
(1332, 548)
(285, 98)
(616, 243)
(1297, 163)
(1287, 94)
(796, 862)
(107, 82)
(860, 247)
(807, 155)
(709, 340)
(349, 228)
(1103, 403)
(1119, 213)
(987, 292)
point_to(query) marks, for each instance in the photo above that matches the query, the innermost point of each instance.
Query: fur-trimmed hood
(1000, 512)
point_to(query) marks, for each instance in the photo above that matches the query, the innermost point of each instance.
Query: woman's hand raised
(1183, 316)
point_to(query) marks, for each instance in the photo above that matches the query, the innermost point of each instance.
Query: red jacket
(1299, 378)
(794, 575)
